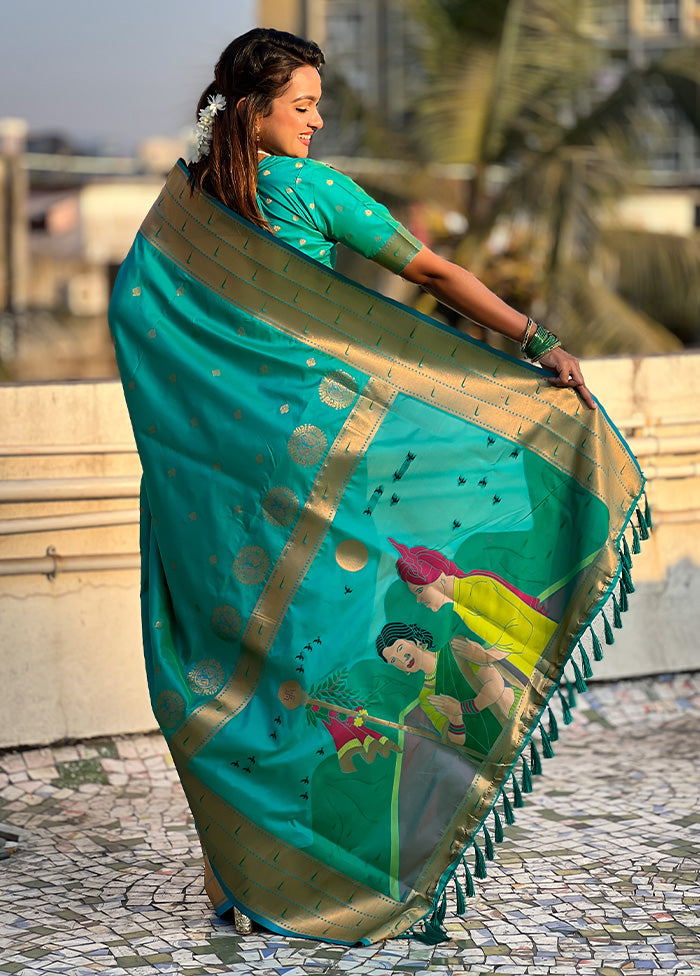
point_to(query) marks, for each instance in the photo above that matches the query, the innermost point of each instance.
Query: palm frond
(660, 275)
(592, 320)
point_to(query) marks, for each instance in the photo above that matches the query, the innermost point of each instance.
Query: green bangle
(540, 343)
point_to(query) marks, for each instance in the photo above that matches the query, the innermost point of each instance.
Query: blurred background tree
(557, 132)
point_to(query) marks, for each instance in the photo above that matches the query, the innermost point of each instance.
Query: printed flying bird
(461, 480)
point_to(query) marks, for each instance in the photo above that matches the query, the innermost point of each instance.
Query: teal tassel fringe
(609, 636)
(497, 827)
(488, 844)
(580, 683)
(469, 883)
(624, 602)
(526, 780)
(535, 761)
(627, 580)
(636, 548)
(517, 795)
(565, 710)
(508, 810)
(433, 934)
(442, 910)
(547, 750)
(617, 619)
(553, 727)
(570, 693)
(625, 554)
(647, 512)
(585, 663)
(597, 649)
(479, 862)
(643, 528)
(461, 903)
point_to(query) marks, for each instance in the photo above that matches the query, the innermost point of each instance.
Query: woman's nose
(316, 121)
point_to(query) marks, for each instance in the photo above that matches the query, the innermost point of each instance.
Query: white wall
(70, 647)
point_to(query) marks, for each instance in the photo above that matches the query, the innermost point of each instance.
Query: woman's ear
(240, 105)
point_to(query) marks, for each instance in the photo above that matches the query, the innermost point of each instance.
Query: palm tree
(511, 90)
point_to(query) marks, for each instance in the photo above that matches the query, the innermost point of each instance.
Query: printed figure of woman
(503, 617)
(462, 691)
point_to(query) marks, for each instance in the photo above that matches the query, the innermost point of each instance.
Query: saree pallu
(298, 434)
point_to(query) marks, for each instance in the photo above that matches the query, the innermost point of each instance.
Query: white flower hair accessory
(202, 130)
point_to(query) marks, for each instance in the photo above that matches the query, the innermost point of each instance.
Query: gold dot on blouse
(329, 182)
(302, 241)
(299, 165)
(312, 206)
(136, 292)
(368, 213)
(276, 228)
(151, 333)
(323, 252)
(268, 199)
(290, 190)
(338, 208)
(266, 172)
(295, 218)
(298, 179)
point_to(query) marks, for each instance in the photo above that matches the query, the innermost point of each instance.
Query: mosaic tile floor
(106, 874)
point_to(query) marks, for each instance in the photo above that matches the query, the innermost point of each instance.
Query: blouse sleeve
(345, 213)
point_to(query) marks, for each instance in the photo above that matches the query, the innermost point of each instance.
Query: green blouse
(313, 207)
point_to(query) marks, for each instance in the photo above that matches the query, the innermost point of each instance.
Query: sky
(110, 73)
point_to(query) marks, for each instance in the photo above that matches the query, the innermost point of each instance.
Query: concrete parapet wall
(70, 642)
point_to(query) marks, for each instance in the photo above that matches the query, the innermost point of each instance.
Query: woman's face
(432, 595)
(287, 131)
(406, 655)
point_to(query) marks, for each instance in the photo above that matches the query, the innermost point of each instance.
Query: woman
(500, 615)
(271, 400)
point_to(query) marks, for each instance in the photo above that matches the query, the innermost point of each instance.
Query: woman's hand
(568, 374)
(448, 706)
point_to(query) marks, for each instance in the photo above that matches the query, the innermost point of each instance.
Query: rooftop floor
(599, 876)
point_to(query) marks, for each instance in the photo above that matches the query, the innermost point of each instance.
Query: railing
(668, 449)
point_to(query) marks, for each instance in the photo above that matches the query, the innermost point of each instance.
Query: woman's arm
(459, 289)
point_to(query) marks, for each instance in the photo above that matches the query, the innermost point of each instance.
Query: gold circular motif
(206, 677)
(307, 445)
(169, 709)
(352, 555)
(226, 622)
(251, 565)
(338, 389)
(280, 506)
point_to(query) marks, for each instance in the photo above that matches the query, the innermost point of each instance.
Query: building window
(662, 16)
(607, 19)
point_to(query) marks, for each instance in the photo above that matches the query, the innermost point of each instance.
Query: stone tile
(598, 877)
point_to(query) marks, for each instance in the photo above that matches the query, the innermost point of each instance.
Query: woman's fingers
(568, 374)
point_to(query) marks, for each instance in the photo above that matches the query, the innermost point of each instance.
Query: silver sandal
(244, 925)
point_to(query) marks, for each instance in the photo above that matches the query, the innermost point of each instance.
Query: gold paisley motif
(206, 677)
(338, 389)
(307, 445)
(169, 709)
(251, 565)
(226, 622)
(280, 506)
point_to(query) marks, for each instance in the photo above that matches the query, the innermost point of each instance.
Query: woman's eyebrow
(305, 98)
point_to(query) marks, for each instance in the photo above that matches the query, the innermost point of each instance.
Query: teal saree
(295, 430)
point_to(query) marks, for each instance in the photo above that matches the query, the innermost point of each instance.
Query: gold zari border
(301, 548)
(295, 891)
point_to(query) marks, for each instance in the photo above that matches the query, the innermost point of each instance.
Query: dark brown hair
(256, 67)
